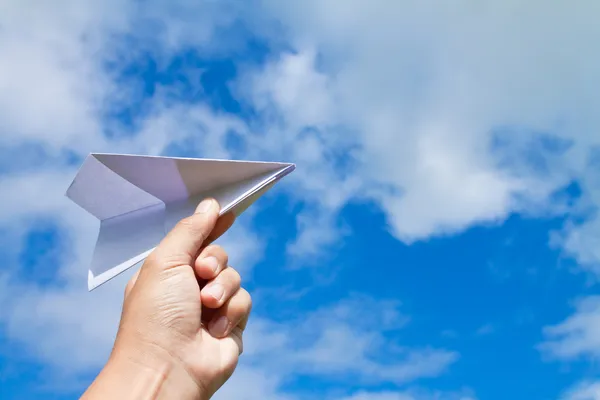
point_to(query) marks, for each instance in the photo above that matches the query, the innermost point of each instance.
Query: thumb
(182, 244)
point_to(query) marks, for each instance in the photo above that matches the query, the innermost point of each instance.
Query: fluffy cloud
(447, 105)
(52, 82)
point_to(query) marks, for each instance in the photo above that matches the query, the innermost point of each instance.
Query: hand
(180, 334)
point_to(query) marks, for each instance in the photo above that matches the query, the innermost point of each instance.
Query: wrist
(144, 376)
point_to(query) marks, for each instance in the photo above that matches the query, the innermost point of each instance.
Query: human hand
(180, 334)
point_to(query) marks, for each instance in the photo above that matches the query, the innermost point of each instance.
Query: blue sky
(437, 241)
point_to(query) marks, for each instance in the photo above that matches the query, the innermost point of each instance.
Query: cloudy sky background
(439, 238)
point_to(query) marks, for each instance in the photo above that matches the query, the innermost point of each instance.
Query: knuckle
(172, 260)
(160, 258)
(218, 252)
(185, 223)
(245, 298)
(235, 276)
(193, 227)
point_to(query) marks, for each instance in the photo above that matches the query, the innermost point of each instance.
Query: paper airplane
(138, 199)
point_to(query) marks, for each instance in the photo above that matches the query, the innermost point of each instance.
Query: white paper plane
(138, 199)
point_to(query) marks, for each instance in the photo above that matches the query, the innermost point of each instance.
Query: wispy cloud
(484, 330)
(585, 390)
(332, 342)
(576, 336)
(412, 395)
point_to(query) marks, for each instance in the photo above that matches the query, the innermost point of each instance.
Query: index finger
(181, 245)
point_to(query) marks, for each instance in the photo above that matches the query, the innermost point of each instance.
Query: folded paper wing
(138, 199)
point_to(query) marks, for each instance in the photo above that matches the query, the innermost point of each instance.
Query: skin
(184, 312)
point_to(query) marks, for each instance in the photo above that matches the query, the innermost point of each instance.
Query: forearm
(124, 378)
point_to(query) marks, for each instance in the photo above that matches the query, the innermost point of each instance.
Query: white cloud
(331, 342)
(423, 90)
(587, 390)
(251, 383)
(72, 321)
(578, 335)
(410, 395)
(583, 240)
(52, 84)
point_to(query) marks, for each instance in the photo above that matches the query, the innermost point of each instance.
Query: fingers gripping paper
(138, 199)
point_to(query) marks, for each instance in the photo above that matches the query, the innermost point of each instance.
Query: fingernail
(216, 290)
(219, 327)
(205, 206)
(212, 262)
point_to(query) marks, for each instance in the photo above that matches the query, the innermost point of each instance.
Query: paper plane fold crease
(138, 199)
